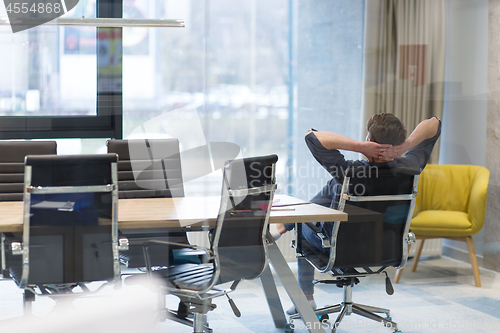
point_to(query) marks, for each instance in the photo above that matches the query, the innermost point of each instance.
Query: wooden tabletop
(182, 212)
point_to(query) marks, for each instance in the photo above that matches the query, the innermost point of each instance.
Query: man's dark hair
(386, 128)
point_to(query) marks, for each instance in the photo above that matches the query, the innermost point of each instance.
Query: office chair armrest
(16, 248)
(410, 238)
(325, 241)
(123, 244)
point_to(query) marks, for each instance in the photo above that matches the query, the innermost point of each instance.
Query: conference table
(198, 213)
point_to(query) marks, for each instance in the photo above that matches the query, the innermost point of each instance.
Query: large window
(48, 70)
(256, 73)
(53, 82)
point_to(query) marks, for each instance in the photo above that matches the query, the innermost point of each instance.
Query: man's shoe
(293, 310)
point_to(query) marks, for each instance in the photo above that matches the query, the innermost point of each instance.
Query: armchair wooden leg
(473, 260)
(418, 252)
(399, 272)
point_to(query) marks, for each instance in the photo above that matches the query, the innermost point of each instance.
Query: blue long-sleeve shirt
(335, 163)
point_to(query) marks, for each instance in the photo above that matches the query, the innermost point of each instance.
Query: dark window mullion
(110, 101)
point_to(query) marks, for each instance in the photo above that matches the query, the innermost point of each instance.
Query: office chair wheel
(323, 318)
(289, 328)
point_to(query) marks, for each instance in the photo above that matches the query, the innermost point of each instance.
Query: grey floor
(439, 297)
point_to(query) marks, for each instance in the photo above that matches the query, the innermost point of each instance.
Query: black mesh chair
(70, 229)
(12, 154)
(379, 202)
(148, 168)
(238, 248)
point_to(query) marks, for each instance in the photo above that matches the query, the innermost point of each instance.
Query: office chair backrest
(239, 238)
(12, 154)
(149, 168)
(70, 225)
(379, 202)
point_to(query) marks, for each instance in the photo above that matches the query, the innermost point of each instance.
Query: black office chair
(238, 248)
(70, 229)
(12, 154)
(379, 202)
(149, 168)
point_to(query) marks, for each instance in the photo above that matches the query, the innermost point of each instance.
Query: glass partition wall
(251, 73)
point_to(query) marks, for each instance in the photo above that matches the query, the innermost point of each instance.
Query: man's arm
(336, 141)
(427, 129)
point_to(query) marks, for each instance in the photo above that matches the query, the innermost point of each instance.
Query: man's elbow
(434, 124)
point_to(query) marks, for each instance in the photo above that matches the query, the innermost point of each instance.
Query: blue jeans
(306, 270)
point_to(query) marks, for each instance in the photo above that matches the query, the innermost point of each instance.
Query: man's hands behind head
(381, 152)
(372, 149)
(394, 151)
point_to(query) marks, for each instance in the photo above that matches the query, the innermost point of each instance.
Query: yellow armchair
(451, 203)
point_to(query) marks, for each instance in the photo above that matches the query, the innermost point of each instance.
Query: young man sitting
(385, 143)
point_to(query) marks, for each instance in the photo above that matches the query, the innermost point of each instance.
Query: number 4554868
(39, 8)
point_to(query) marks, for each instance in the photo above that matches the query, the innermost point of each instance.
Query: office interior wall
(492, 225)
(463, 137)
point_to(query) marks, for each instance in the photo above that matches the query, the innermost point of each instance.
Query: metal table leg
(273, 298)
(294, 292)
